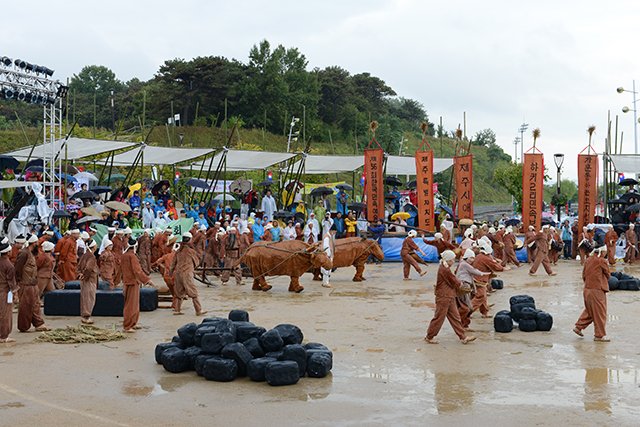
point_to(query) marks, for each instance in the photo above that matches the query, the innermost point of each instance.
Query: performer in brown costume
(132, 277)
(119, 243)
(554, 254)
(27, 276)
(44, 238)
(45, 262)
(498, 248)
(408, 249)
(509, 255)
(585, 235)
(108, 264)
(446, 290)
(164, 264)
(439, 242)
(595, 276)
(267, 236)
(144, 251)
(18, 244)
(632, 241)
(69, 257)
(183, 265)
(7, 284)
(87, 272)
(542, 252)
(486, 264)
(574, 241)
(230, 252)
(446, 234)
(244, 241)
(199, 243)
(610, 240)
(466, 272)
(528, 236)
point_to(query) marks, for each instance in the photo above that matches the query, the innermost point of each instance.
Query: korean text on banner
(424, 188)
(373, 162)
(532, 180)
(464, 185)
(587, 174)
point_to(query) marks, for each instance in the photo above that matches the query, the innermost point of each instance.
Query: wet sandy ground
(383, 373)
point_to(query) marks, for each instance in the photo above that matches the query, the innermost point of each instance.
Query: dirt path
(383, 374)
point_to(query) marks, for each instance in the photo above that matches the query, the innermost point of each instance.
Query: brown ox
(353, 251)
(291, 258)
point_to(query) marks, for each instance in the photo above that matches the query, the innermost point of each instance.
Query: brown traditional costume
(406, 254)
(183, 265)
(108, 266)
(486, 264)
(542, 254)
(230, 251)
(610, 240)
(509, 255)
(595, 276)
(7, 284)
(45, 264)
(447, 286)
(87, 270)
(144, 253)
(132, 277)
(632, 242)
(164, 264)
(27, 276)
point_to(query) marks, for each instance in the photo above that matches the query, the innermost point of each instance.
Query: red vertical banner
(532, 187)
(587, 187)
(424, 188)
(374, 183)
(464, 185)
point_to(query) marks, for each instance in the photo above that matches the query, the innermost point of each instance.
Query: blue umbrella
(448, 210)
(8, 162)
(66, 177)
(194, 182)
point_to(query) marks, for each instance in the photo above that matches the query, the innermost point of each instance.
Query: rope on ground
(80, 334)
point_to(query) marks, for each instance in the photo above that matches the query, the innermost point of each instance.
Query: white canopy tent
(405, 165)
(160, 155)
(243, 160)
(318, 165)
(76, 148)
(626, 163)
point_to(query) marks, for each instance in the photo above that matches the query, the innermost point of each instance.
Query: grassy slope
(485, 191)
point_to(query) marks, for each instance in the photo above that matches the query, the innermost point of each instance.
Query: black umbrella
(319, 191)
(101, 189)
(85, 195)
(283, 214)
(120, 192)
(357, 206)
(8, 162)
(265, 183)
(448, 210)
(194, 182)
(548, 220)
(345, 187)
(617, 202)
(633, 208)
(628, 181)
(629, 196)
(61, 214)
(156, 188)
(409, 207)
(411, 184)
(390, 197)
(35, 168)
(512, 222)
(392, 180)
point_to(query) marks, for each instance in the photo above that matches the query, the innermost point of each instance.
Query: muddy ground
(383, 373)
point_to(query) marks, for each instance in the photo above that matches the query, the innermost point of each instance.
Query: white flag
(169, 120)
(177, 117)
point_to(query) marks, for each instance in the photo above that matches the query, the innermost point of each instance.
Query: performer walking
(527, 239)
(406, 254)
(632, 241)
(610, 240)
(230, 252)
(45, 262)
(108, 263)
(144, 251)
(509, 241)
(542, 252)
(183, 265)
(132, 277)
(486, 264)
(163, 264)
(29, 312)
(595, 276)
(446, 290)
(8, 286)
(465, 274)
(87, 272)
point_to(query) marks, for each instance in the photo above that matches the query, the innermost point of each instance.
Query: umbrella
(283, 214)
(35, 168)
(512, 222)
(84, 195)
(547, 220)
(134, 187)
(8, 162)
(156, 188)
(70, 169)
(357, 206)
(320, 191)
(345, 187)
(86, 175)
(411, 184)
(91, 211)
(88, 218)
(66, 177)
(409, 207)
(390, 197)
(633, 208)
(194, 182)
(547, 215)
(115, 177)
(392, 180)
(629, 196)
(118, 206)
(240, 184)
(148, 183)
(403, 215)
(101, 189)
(265, 183)
(617, 202)
(628, 181)
(291, 183)
(61, 214)
(448, 210)
(227, 197)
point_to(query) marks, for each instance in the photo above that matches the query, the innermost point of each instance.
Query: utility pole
(522, 130)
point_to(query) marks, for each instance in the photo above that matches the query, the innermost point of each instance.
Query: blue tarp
(392, 246)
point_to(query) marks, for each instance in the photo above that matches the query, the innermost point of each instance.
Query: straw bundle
(80, 334)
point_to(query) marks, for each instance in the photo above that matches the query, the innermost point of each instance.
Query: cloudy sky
(555, 65)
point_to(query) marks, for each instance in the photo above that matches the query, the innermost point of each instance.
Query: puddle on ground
(7, 353)
(12, 405)
(135, 388)
(600, 376)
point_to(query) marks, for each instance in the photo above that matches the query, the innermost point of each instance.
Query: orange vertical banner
(587, 187)
(464, 185)
(532, 186)
(424, 188)
(374, 183)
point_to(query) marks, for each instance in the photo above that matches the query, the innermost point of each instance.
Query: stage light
(40, 99)
(29, 67)
(20, 96)
(48, 71)
(62, 91)
(28, 98)
(51, 101)
(20, 63)
(8, 93)
(6, 61)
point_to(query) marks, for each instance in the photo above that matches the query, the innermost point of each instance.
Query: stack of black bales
(524, 312)
(497, 284)
(222, 349)
(620, 281)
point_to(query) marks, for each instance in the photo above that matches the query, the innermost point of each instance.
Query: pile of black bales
(524, 313)
(222, 349)
(620, 281)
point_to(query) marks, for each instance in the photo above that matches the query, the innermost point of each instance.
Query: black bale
(544, 321)
(497, 284)
(253, 345)
(199, 363)
(215, 342)
(282, 373)
(271, 340)
(161, 348)
(319, 365)
(187, 334)
(202, 331)
(175, 360)
(275, 354)
(246, 332)
(315, 345)
(239, 316)
(520, 299)
(226, 325)
(256, 367)
(192, 353)
(527, 325)
(240, 354)
(290, 334)
(528, 313)
(516, 310)
(222, 370)
(503, 323)
(298, 354)
(613, 283)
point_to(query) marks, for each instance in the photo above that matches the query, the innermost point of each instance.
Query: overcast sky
(555, 65)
